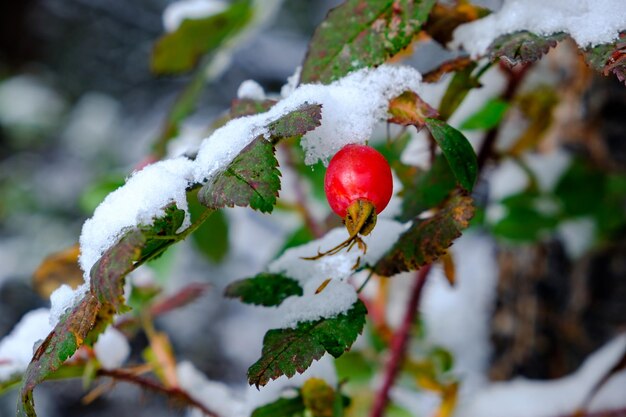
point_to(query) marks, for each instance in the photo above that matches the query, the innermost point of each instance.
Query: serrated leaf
(457, 150)
(427, 240)
(460, 85)
(522, 47)
(296, 123)
(427, 189)
(609, 58)
(408, 109)
(107, 275)
(287, 351)
(251, 179)
(181, 50)
(73, 328)
(264, 289)
(247, 107)
(359, 34)
(487, 117)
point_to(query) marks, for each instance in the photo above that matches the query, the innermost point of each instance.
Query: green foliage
(522, 47)
(296, 123)
(211, 238)
(287, 351)
(457, 150)
(181, 50)
(264, 289)
(609, 58)
(251, 179)
(95, 194)
(581, 189)
(487, 117)
(428, 239)
(460, 85)
(359, 34)
(247, 107)
(282, 407)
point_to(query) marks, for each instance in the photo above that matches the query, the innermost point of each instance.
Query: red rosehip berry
(358, 172)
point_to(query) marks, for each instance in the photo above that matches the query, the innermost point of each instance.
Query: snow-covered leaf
(522, 47)
(252, 179)
(360, 34)
(428, 239)
(247, 106)
(457, 150)
(609, 58)
(263, 289)
(181, 50)
(291, 350)
(409, 109)
(296, 123)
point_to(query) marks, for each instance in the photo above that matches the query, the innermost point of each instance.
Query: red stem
(172, 393)
(399, 343)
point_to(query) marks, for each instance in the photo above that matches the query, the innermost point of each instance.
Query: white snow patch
(506, 180)
(589, 22)
(112, 348)
(338, 296)
(177, 12)
(214, 395)
(548, 167)
(17, 348)
(250, 89)
(563, 396)
(577, 235)
(64, 298)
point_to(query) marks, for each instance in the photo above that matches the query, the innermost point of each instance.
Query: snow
(64, 298)
(589, 22)
(112, 348)
(548, 167)
(563, 396)
(177, 12)
(250, 89)
(577, 235)
(338, 296)
(16, 349)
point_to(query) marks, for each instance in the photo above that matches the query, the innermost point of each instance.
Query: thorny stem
(173, 393)
(399, 343)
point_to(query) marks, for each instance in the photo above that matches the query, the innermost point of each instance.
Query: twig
(172, 393)
(399, 343)
(515, 79)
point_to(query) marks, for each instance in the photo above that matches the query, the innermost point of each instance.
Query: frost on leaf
(287, 351)
(181, 50)
(522, 47)
(409, 109)
(251, 179)
(359, 34)
(264, 289)
(609, 58)
(428, 239)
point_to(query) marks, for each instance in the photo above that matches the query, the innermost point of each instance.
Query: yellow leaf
(318, 397)
(447, 261)
(57, 269)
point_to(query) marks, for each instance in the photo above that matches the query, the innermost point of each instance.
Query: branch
(172, 393)
(399, 343)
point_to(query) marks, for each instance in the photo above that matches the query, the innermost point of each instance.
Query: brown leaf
(444, 19)
(453, 65)
(57, 269)
(409, 109)
(449, 270)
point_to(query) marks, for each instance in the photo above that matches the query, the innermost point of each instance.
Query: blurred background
(80, 110)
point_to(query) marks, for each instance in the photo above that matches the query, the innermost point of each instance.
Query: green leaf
(359, 34)
(581, 189)
(488, 117)
(427, 189)
(252, 178)
(296, 123)
(167, 225)
(457, 150)
(107, 275)
(461, 84)
(95, 194)
(211, 237)
(609, 58)
(248, 107)
(264, 289)
(523, 224)
(287, 351)
(428, 239)
(522, 47)
(181, 50)
(282, 407)
(73, 328)
(354, 367)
